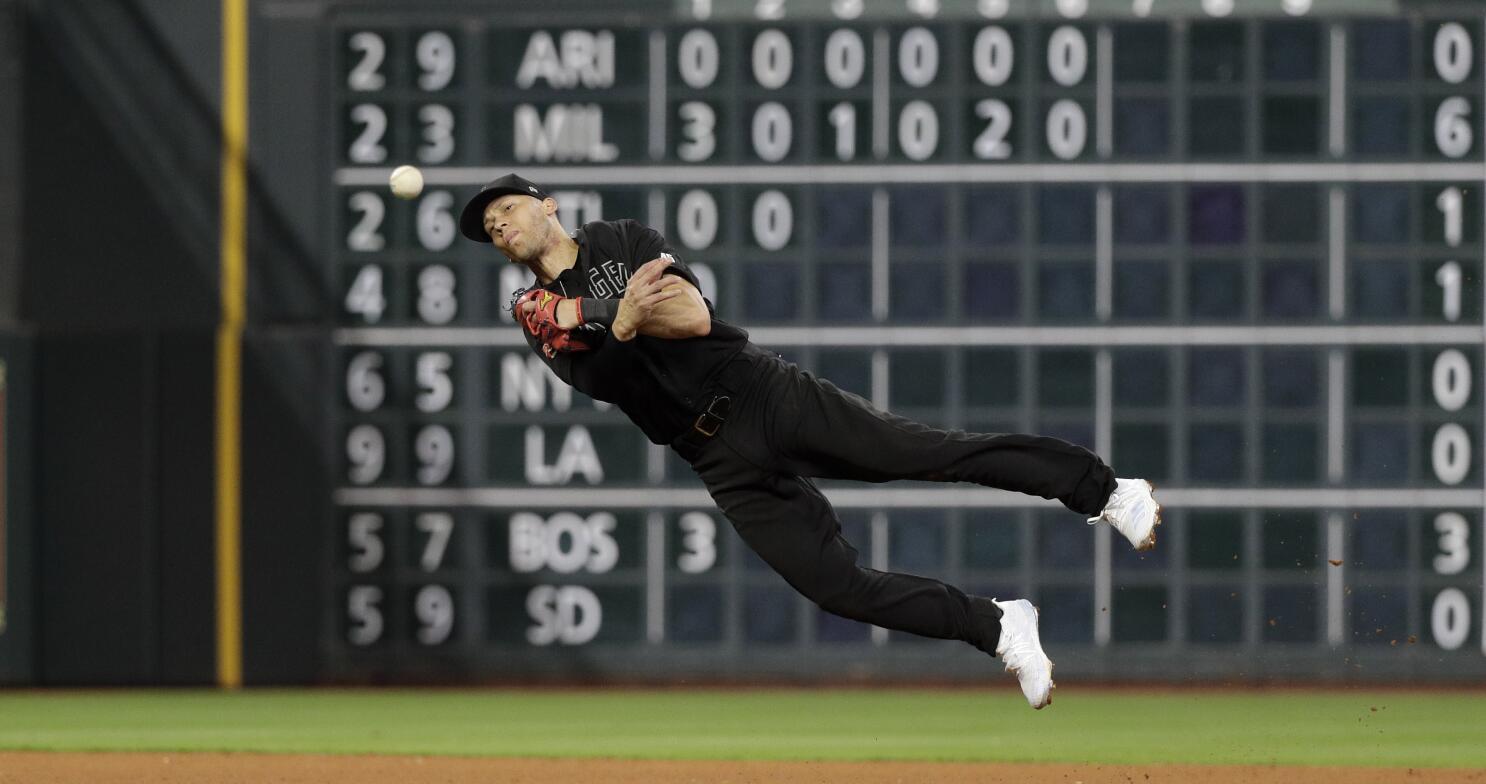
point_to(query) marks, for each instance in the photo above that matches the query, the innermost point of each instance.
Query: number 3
(699, 540)
(1455, 551)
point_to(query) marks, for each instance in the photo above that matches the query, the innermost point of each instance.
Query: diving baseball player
(618, 316)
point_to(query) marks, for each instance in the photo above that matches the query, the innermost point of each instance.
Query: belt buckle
(707, 418)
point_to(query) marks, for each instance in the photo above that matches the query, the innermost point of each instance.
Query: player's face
(517, 226)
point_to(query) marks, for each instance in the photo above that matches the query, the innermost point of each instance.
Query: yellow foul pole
(229, 341)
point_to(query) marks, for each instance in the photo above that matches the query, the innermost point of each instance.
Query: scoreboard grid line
(1335, 579)
(657, 94)
(953, 337)
(937, 174)
(1336, 381)
(904, 498)
(1337, 255)
(878, 527)
(1337, 105)
(1103, 445)
(881, 86)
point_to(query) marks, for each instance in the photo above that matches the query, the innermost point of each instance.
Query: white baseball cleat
(1133, 511)
(1020, 648)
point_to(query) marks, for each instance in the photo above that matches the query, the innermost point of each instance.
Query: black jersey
(657, 382)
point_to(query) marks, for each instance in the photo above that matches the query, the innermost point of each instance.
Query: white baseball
(406, 182)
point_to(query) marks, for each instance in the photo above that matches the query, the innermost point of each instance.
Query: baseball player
(617, 315)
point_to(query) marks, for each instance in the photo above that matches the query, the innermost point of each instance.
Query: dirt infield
(47, 768)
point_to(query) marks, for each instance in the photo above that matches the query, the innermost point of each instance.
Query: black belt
(707, 424)
(728, 384)
(709, 421)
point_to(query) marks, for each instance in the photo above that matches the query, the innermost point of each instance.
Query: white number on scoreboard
(435, 387)
(367, 147)
(437, 303)
(438, 133)
(434, 449)
(845, 59)
(364, 536)
(366, 451)
(436, 60)
(698, 543)
(439, 527)
(365, 387)
(434, 608)
(366, 75)
(697, 59)
(362, 608)
(364, 235)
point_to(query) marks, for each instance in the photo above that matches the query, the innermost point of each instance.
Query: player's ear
(549, 206)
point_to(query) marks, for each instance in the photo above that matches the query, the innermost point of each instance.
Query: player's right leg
(792, 527)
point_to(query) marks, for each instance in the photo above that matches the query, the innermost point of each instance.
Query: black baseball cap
(472, 220)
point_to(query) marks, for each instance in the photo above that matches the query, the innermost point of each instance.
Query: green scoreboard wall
(1232, 245)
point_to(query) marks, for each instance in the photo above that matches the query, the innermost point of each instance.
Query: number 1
(844, 118)
(1448, 276)
(1450, 203)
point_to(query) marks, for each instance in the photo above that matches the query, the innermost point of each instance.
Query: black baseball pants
(785, 426)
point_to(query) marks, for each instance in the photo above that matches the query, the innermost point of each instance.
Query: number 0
(696, 219)
(845, 58)
(1451, 380)
(773, 132)
(1067, 129)
(1450, 618)
(1451, 454)
(697, 58)
(1452, 53)
(993, 56)
(773, 220)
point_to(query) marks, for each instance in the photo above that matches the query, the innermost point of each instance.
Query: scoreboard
(1234, 246)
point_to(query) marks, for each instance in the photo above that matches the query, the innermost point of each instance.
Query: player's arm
(661, 306)
(654, 304)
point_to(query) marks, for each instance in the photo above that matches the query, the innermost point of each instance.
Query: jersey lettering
(608, 280)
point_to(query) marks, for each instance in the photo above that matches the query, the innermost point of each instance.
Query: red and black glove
(541, 322)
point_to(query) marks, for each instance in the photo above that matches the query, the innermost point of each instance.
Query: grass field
(1388, 728)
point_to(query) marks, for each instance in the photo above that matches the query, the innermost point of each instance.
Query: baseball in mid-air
(407, 182)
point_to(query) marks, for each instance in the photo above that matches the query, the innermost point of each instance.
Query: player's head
(513, 214)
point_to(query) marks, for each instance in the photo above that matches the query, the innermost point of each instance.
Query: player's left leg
(830, 433)
(840, 435)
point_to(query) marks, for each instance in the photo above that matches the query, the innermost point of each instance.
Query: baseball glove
(541, 322)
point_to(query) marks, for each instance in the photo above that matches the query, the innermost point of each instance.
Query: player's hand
(566, 312)
(644, 291)
(537, 311)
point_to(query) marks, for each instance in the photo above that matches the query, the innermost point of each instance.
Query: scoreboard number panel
(1234, 247)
